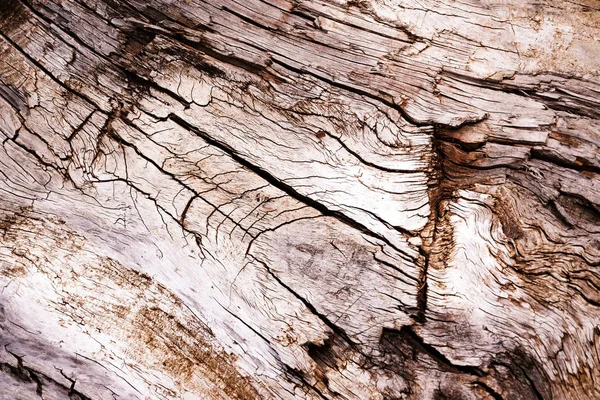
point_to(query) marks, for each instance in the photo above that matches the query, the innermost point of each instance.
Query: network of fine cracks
(294, 199)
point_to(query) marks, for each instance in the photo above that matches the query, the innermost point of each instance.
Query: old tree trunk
(299, 199)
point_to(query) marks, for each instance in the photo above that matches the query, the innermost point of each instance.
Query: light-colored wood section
(271, 199)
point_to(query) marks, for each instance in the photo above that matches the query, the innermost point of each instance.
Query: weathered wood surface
(299, 199)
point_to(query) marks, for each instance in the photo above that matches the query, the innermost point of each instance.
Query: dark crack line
(114, 136)
(336, 329)
(489, 390)
(365, 162)
(589, 110)
(25, 373)
(436, 355)
(38, 65)
(267, 176)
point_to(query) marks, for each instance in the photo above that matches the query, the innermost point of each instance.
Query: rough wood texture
(297, 199)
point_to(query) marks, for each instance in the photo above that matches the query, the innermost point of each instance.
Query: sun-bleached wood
(273, 199)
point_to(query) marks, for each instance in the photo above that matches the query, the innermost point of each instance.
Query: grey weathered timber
(325, 199)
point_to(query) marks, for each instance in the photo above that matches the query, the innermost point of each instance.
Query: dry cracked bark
(288, 199)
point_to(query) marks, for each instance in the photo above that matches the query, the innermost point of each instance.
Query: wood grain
(277, 199)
